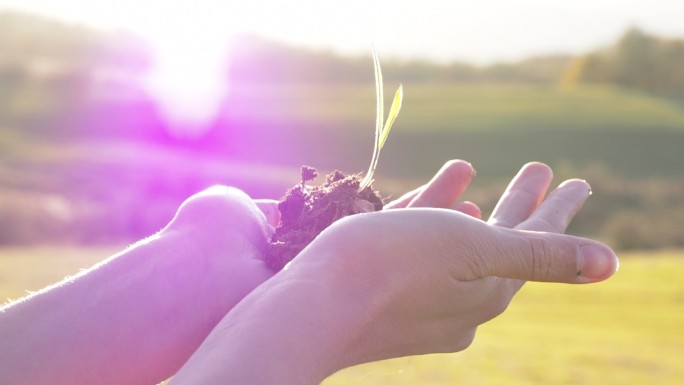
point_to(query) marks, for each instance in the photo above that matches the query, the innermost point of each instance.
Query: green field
(496, 126)
(627, 144)
(628, 330)
(464, 107)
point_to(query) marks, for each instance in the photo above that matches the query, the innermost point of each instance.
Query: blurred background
(112, 113)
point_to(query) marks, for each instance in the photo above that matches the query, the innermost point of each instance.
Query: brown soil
(307, 210)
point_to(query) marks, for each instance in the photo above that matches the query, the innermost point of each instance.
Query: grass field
(494, 126)
(497, 127)
(463, 107)
(88, 186)
(628, 330)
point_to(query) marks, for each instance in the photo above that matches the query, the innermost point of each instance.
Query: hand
(138, 316)
(228, 231)
(415, 290)
(400, 282)
(224, 225)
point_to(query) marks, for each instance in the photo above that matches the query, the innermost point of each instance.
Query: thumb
(549, 257)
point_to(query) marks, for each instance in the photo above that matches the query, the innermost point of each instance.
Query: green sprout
(381, 130)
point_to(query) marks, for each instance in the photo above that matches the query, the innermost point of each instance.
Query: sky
(478, 31)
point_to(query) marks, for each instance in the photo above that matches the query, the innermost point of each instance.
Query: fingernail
(597, 262)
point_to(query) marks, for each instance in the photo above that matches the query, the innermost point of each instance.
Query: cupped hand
(227, 231)
(420, 281)
(402, 282)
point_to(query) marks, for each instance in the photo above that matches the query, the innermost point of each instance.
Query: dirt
(306, 210)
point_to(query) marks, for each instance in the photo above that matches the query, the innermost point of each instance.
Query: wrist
(289, 330)
(223, 233)
(317, 319)
(209, 282)
(188, 289)
(148, 307)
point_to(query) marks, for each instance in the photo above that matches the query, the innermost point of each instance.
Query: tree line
(637, 60)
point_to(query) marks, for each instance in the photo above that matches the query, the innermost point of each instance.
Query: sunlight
(189, 79)
(190, 40)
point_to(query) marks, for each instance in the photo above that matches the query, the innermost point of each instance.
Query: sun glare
(190, 40)
(189, 79)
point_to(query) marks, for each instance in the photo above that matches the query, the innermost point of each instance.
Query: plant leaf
(379, 98)
(381, 129)
(394, 111)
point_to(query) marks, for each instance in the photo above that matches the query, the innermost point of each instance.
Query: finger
(523, 195)
(404, 200)
(556, 212)
(450, 173)
(476, 249)
(548, 257)
(446, 186)
(270, 209)
(469, 208)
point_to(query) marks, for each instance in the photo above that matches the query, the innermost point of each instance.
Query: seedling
(381, 130)
(307, 210)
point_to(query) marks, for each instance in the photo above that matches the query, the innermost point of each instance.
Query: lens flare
(190, 43)
(189, 80)
(188, 83)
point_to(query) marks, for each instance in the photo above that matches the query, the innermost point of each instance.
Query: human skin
(139, 315)
(136, 317)
(400, 282)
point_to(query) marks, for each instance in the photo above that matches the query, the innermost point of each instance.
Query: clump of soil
(307, 210)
